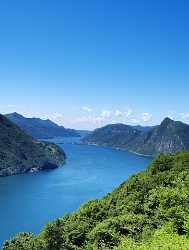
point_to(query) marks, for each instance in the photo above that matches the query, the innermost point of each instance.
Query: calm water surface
(29, 201)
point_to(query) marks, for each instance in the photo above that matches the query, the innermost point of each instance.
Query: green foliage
(24, 241)
(163, 239)
(149, 211)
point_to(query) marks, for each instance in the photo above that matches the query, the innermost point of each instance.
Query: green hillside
(20, 153)
(148, 211)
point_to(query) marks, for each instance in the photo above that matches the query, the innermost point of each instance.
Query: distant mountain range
(114, 135)
(168, 137)
(20, 153)
(41, 129)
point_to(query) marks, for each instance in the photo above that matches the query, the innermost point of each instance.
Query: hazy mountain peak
(167, 120)
(39, 128)
(15, 114)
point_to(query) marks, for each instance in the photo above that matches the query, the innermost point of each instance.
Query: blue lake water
(29, 201)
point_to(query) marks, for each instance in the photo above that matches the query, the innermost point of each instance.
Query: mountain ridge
(168, 137)
(39, 128)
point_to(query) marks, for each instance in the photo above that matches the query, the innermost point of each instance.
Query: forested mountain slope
(148, 211)
(20, 153)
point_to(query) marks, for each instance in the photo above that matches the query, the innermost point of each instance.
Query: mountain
(148, 211)
(143, 128)
(20, 153)
(115, 135)
(83, 133)
(41, 129)
(168, 137)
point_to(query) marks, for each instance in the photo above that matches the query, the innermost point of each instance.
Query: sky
(88, 63)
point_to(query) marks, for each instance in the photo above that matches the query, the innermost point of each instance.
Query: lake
(29, 201)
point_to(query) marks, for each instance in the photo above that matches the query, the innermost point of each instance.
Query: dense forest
(148, 211)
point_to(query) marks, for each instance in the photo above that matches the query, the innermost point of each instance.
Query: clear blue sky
(90, 62)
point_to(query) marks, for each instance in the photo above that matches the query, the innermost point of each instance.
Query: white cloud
(128, 112)
(95, 120)
(103, 118)
(105, 114)
(98, 120)
(171, 117)
(118, 113)
(146, 117)
(112, 116)
(133, 120)
(91, 118)
(87, 109)
(57, 115)
(185, 116)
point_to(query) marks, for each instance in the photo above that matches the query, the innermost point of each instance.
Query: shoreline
(140, 154)
(117, 148)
